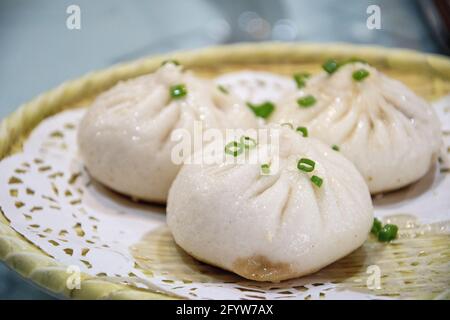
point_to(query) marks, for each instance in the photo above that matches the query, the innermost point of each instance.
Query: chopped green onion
(303, 130)
(234, 148)
(388, 233)
(330, 66)
(306, 165)
(376, 227)
(335, 147)
(317, 181)
(265, 168)
(263, 110)
(306, 101)
(300, 79)
(360, 74)
(223, 89)
(175, 62)
(178, 91)
(247, 142)
(385, 233)
(287, 124)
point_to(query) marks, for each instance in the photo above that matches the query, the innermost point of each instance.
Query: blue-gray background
(38, 51)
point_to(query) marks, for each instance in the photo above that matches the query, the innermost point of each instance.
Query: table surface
(38, 51)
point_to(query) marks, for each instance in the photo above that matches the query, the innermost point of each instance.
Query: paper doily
(49, 198)
(257, 86)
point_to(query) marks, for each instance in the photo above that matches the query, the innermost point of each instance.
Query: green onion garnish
(223, 89)
(265, 168)
(317, 181)
(385, 233)
(287, 124)
(360, 74)
(306, 165)
(388, 233)
(247, 142)
(262, 110)
(300, 79)
(178, 91)
(376, 227)
(330, 66)
(303, 130)
(234, 148)
(306, 101)
(335, 147)
(175, 62)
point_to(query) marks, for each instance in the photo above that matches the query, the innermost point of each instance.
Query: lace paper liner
(49, 198)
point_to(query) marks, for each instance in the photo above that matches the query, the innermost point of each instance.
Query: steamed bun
(388, 132)
(257, 87)
(125, 136)
(276, 226)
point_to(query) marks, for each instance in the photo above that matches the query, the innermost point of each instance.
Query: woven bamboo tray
(427, 75)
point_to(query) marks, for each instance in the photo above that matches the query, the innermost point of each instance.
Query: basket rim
(36, 266)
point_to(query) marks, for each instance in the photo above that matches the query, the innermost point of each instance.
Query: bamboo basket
(427, 75)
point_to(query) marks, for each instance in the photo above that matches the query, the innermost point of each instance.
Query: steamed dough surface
(390, 134)
(271, 227)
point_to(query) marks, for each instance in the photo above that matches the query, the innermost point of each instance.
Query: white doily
(257, 86)
(49, 198)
